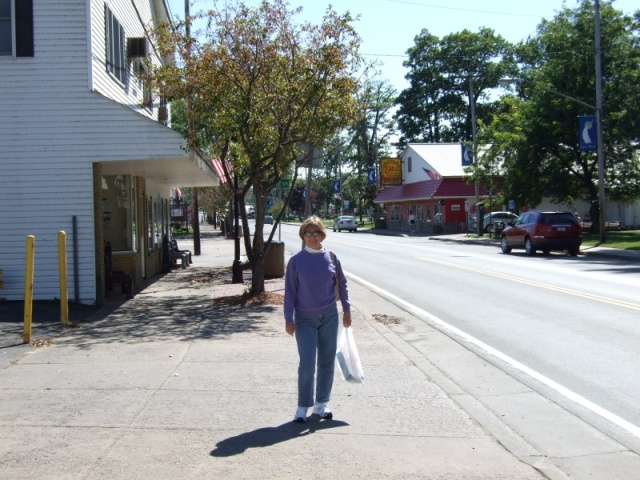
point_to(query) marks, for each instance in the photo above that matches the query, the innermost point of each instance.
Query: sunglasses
(312, 234)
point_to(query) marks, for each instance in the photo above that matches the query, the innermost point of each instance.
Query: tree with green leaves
(260, 87)
(537, 134)
(443, 74)
(370, 137)
(214, 200)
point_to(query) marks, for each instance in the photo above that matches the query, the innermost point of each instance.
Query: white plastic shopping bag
(348, 358)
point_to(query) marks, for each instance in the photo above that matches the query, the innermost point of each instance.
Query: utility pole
(474, 133)
(307, 202)
(376, 165)
(474, 148)
(601, 199)
(195, 206)
(340, 177)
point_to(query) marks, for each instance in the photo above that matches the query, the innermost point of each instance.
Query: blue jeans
(316, 333)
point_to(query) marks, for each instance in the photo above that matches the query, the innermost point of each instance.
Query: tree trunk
(257, 274)
(256, 256)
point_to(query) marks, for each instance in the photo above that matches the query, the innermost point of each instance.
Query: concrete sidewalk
(172, 384)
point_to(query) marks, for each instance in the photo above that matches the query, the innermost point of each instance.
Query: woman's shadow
(268, 436)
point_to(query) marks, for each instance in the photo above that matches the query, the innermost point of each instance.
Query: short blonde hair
(313, 221)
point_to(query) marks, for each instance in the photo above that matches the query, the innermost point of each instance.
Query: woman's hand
(346, 319)
(290, 328)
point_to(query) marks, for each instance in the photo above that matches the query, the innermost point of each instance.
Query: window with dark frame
(147, 94)
(6, 28)
(16, 28)
(116, 47)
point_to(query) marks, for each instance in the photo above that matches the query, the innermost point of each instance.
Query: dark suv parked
(543, 231)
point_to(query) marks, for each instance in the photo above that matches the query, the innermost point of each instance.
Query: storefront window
(158, 217)
(395, 212)
(419, 216)
(118, 212)
(156, 221)
(149, 224)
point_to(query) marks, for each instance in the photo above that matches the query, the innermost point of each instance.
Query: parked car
(490, 219)
(268, 219)
(545, 231)
(345, 222)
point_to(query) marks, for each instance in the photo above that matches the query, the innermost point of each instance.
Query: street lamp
(503, 82)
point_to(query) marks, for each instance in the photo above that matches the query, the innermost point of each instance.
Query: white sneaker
(322, 410)
(301, 415)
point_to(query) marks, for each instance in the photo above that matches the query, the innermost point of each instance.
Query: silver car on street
(345, 222)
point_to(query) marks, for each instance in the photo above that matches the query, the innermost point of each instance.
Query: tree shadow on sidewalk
(269, 436)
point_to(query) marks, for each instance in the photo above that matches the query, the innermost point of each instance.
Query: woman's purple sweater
(309, 284)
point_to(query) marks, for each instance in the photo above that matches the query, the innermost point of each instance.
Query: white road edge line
(565, 392)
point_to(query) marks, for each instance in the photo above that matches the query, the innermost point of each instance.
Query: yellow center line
(589, 296)
(358, 245)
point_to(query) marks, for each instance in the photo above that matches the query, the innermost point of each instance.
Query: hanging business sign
(390, 171)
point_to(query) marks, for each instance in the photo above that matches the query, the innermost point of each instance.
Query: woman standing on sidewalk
(310, 312)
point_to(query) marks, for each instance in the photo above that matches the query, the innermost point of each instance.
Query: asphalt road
(566, 326)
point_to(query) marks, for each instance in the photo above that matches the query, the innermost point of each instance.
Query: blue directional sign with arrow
(467, 155)
(588, 139)
(371, 176)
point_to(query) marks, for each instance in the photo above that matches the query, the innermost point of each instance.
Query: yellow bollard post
(62, 270)
(28, 288)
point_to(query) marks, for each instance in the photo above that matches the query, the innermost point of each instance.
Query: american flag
(432, 175)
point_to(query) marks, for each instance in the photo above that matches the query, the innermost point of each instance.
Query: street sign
(371, 176)
(512, 204)
(285, 183)
(336, 186)
(467, 155)
(310, 157)
(587, 125)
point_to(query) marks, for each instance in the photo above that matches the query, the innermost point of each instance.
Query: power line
(464, 9)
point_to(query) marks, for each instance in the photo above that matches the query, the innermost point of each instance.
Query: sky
(388, 27)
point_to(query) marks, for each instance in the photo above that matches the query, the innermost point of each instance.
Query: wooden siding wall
(45, 178)
(134, 17)
(52, 130)
(417, 174)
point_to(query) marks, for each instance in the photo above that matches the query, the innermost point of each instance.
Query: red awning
(217, 167)
(427, 190)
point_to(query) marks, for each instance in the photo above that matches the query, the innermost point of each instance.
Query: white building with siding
(85, 147)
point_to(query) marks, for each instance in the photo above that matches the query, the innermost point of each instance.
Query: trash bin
(381, 222)
(274, 261)
(498, 227)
